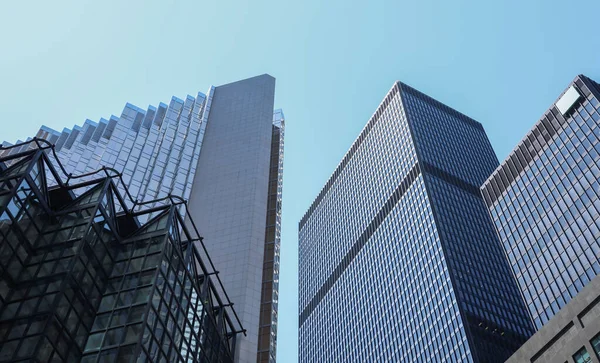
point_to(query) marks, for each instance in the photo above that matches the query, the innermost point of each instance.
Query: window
(582, 356)
(596, 345)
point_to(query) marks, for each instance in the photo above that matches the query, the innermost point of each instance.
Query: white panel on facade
(567, 100)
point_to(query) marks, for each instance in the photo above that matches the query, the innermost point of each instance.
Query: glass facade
(82, 281)
(545, 202)
(156, 150)
(398, 260)
(200, 148)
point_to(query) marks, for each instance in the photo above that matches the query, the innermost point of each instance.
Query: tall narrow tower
(230, 196)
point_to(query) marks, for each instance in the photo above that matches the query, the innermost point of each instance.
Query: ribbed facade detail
(156, 149)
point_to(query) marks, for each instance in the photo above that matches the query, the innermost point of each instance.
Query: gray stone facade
(571, 329)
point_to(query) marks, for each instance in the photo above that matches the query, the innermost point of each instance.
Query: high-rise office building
(398, 259)
(544, 201)
(81, 281)
(222, 151)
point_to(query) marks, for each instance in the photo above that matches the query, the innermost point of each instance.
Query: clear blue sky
(501, 62)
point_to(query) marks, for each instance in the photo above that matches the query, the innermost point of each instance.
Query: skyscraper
(544, 200)
(217, 150)
(80, 281)
(398, 260)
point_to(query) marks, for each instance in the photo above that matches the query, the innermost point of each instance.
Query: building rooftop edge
(503, 164)
(113, 117)
(264, 75)
(331, 178)
(398, 85)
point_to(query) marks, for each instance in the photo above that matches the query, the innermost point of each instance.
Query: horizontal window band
(389, 205)
(451, 179)
(360, 242)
